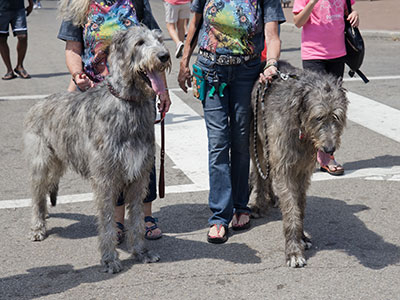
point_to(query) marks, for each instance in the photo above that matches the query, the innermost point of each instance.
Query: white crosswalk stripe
(186, 145)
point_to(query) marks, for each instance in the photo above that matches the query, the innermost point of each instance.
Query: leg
(180, 25)
(39, 156)
(106, 192)
(5, 54)
(292, 205)
(22, 46)
(135, 193)
(152, 230)
(240, 118)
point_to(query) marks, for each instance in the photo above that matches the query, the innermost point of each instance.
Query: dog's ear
(158, 34)
(118, 39)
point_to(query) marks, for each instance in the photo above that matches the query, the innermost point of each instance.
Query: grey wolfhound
(295, 117)
(106, 134)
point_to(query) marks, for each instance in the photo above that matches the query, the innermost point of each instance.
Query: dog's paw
(258, 212)
(38, 234)
(146, 256)
(296, 261)
(112, 267)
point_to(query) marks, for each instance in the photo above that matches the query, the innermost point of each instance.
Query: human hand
(353, 18)
(184, 77)
(82, 81)
(165, 102)
(29, 8)
(268, 73)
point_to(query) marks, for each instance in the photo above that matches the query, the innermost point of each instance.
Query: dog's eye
(140, 43)
(319, 119)
(336, 117)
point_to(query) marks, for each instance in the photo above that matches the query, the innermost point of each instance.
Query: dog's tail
(53, 194)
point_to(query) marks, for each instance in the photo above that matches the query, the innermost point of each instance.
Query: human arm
(29, 8)
(184, 76)
(273, 51)
(165, 101)
(73, 60)
(302, 17)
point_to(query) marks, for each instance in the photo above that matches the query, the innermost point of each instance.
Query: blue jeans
(228, 124)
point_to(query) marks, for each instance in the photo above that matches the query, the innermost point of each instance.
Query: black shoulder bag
(355, 49)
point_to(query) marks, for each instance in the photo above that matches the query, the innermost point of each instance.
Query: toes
(146, 257)
(296, 261)
(112, 267)
(38, 235)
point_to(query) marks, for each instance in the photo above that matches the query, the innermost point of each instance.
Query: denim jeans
(227, 119)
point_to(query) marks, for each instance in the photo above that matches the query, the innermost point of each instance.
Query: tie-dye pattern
(105, 17)
(230, 26)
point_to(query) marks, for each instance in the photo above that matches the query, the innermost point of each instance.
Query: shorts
(16, 18)
(173, 13)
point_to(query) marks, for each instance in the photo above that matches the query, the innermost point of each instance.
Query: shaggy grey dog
(105, 134)
(295, 118)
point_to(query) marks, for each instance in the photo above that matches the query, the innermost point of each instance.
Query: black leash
(282, 76)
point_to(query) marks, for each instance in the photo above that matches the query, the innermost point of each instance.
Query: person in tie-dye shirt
(87, 28)
(231, 38)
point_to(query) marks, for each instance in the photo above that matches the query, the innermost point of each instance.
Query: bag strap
(348, 2)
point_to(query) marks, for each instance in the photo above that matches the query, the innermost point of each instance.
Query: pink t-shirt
(177, 2)
(322, 36)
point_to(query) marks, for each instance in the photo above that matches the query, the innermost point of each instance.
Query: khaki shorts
(173, 13)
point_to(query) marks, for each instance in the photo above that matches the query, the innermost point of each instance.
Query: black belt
(222, 59)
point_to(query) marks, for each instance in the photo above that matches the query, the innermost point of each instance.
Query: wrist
(272, 63)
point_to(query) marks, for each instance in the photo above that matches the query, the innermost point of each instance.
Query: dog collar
(115, 93)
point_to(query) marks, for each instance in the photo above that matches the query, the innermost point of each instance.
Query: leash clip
(284, 76)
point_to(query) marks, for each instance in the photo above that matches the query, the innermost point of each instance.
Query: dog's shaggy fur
(105, 138)
(301, 115)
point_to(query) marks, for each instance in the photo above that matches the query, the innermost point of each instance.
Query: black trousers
(331, 66)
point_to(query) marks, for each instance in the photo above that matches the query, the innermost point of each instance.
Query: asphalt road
(353, 219)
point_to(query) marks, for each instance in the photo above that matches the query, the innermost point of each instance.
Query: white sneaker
(39, 5)
(35, 6)
(179, 50)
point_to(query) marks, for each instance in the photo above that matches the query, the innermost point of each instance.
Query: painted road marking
(186, 146)
(375, 116)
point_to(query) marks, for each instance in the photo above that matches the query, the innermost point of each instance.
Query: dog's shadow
(333, 225)
(178, 222)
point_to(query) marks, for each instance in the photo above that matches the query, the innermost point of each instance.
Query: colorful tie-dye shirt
(235, 27)
(105, 17)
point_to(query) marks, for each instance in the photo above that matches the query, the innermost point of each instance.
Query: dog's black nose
(163, 57)
(329, 150)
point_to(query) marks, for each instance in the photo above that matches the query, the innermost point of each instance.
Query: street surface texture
(353, 219)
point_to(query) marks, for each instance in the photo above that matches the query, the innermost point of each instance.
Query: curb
(372, 34)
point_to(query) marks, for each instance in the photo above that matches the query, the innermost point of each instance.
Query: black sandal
(10, 75)
(217, 239)
(22, 73)
(149, 230)
(245, 225)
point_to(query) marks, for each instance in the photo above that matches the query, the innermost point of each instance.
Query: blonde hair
(74, 10)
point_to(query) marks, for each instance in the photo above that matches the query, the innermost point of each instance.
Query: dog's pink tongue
(323, 158)
(157, 83)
